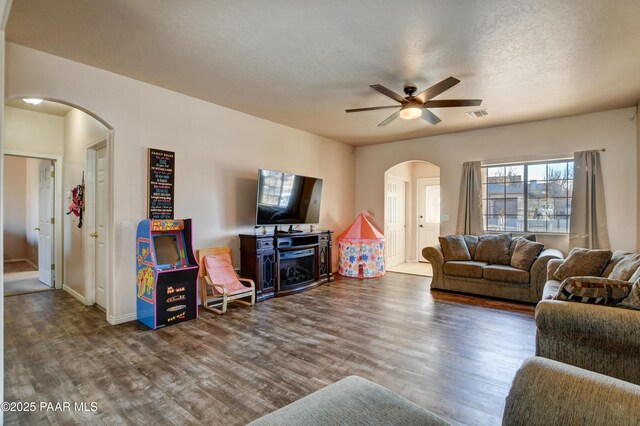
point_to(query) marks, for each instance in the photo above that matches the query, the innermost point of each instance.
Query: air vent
(478, 113)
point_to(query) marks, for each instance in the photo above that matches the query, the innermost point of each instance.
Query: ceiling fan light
(33, 101)
(411, 113)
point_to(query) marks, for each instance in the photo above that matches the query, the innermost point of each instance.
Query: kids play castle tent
(361, 250)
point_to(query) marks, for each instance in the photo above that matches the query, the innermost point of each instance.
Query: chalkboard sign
(161, 178)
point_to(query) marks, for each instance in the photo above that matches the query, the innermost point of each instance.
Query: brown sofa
(481, 277)
(604, 339)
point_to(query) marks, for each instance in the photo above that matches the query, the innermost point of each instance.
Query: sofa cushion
(454, 248)
(525, 253)
(505, 273)
(469, 269)
(595, 290)
(633, 299)
(626, 267)
(550, 289)
(583, 262)
(494, 249)
(351, 401)
(514, 241)
(617, 256)
(472, 244)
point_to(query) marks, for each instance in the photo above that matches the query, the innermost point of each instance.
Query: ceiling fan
(412, 107)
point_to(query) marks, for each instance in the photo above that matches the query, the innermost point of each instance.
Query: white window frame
(526, 220)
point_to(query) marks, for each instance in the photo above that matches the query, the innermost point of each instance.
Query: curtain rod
(531, 158)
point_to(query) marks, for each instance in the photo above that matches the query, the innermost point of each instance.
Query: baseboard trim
(21, 260)
(121, 319)
(74, 294)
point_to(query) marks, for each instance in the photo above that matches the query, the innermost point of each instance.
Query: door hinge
(53, 221)
(53, 266)
(53, 173)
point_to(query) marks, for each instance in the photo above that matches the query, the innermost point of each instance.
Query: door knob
(94, 235)
(421, 226)
(36, 229)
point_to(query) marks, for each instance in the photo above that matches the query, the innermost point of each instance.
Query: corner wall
(218, 153)
(613, 130)
(80, 131)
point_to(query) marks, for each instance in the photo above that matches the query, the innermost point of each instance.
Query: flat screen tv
(287, 198)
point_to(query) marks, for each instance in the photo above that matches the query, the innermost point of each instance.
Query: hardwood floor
(454, 355)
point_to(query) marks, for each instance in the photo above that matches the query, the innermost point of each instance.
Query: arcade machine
(166, 273)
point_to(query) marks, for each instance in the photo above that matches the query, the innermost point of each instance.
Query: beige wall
(614, 130)
(218, 152)
(32, 132)
(15, 208)
(80, 131)
(638, 173)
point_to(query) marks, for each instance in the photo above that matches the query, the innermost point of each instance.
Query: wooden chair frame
(217, 301)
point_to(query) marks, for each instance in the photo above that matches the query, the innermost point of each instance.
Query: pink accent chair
(219, 283)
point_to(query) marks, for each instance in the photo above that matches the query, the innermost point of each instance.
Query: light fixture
(411, 111)
(33, 101)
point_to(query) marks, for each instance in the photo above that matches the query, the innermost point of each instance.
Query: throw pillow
(633, 299)
(583, 262)
(512, 246)
(626, 267)
(595, 290)
(617, 256)
(472, 244)
(494, 248)
(454, 248)
(525, 253)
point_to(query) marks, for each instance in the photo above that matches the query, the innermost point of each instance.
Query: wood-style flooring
(454, 355)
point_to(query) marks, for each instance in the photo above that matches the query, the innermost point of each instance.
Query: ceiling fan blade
(387, 92)
(438, 88)
(430, 117)
(446, 103)
(370, 108)
(390, 118)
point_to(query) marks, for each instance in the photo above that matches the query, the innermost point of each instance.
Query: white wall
(32, 132)
(80, 131)
(614, 130)
(15, 208)
(218, 152)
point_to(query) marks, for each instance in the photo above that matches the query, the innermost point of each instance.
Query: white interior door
(45, 225)
(428, 213)
(395, 220)
(100, 232)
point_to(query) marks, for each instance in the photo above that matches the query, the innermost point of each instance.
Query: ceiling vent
(478, 113)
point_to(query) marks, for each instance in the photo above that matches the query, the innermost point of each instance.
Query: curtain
(470, 205)
(588, 227)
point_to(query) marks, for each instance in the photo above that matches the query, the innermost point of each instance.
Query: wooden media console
(285, 263)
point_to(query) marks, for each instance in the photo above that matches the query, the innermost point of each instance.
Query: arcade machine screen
(167, 254)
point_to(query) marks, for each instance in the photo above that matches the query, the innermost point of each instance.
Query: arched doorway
(81, 144)
(412, 214)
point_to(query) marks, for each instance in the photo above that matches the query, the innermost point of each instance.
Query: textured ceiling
(302, 63)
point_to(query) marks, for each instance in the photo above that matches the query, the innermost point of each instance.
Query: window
(532, 197)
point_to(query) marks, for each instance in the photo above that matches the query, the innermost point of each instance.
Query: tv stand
(283, 263)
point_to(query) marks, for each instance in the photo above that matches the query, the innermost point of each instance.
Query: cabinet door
(266, 274)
